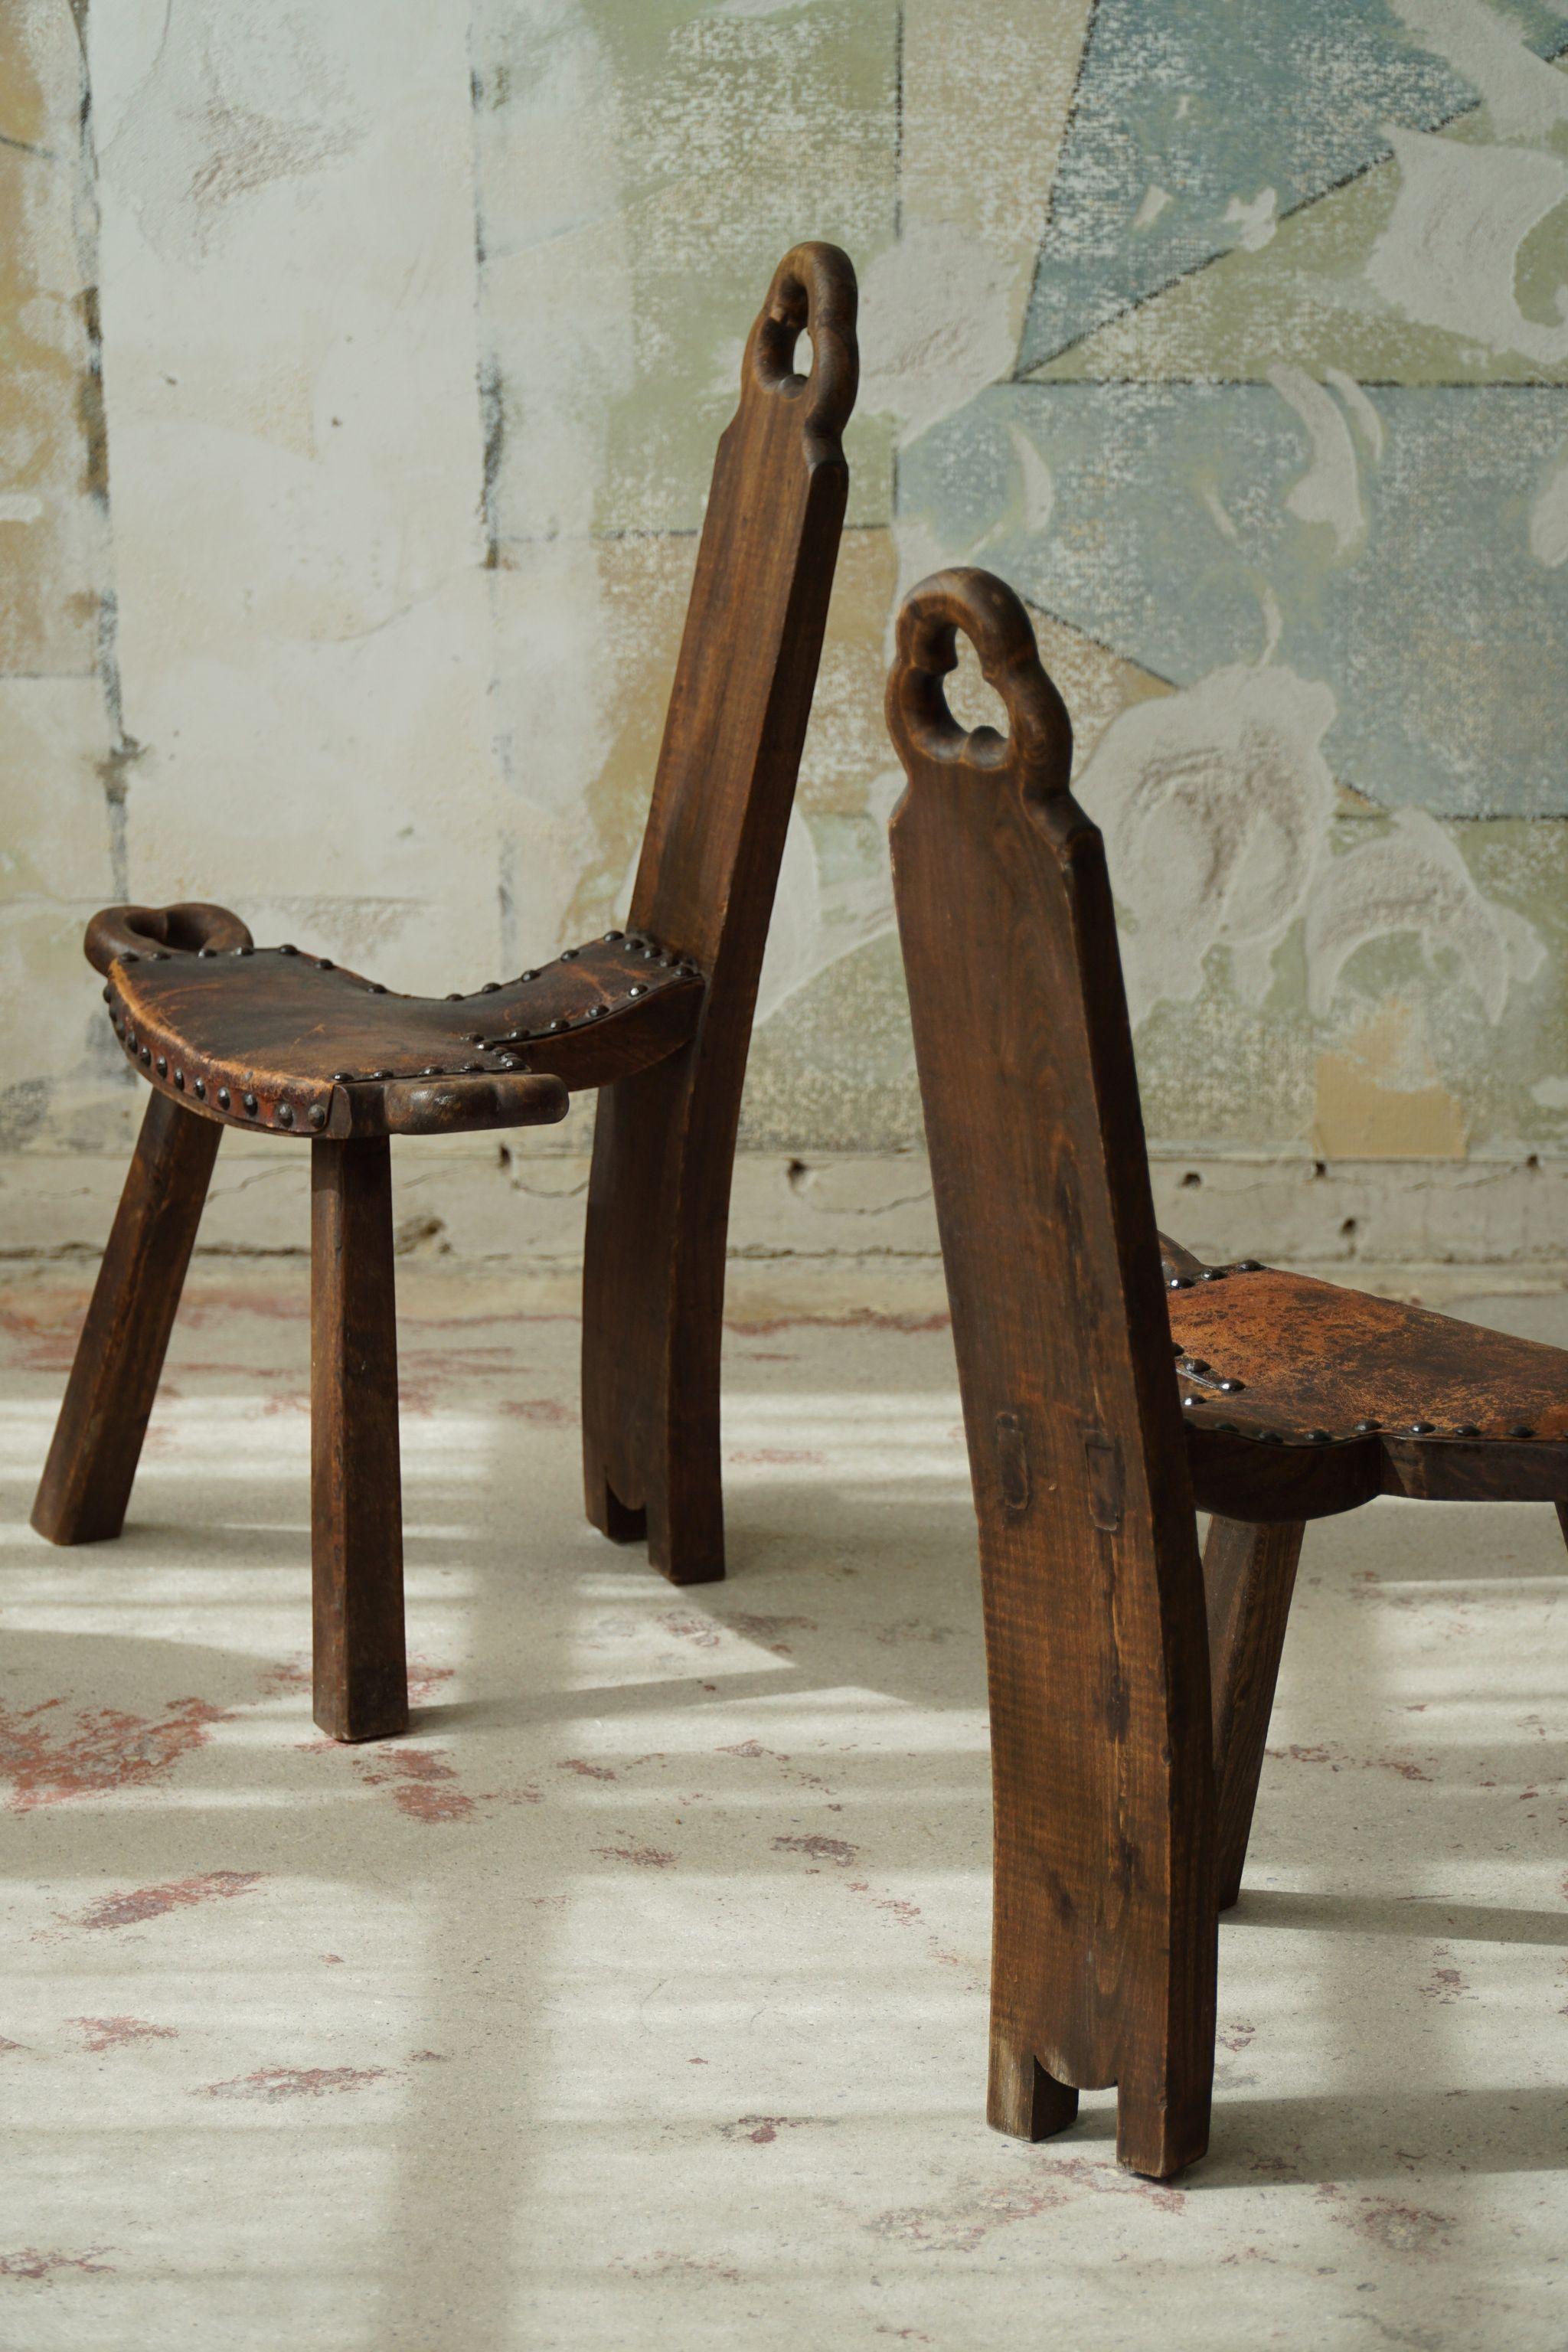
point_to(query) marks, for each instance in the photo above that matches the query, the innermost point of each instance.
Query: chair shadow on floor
(854, 1559)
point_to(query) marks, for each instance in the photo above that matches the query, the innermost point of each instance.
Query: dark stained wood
(462, 1105)
(88, 1478)
(658, 1016)
(360, 1681)
(1103, 1959)
(664, 1142)
(119, 933)
(1249, 1575)
(1242, 1477)
(1099, 1411)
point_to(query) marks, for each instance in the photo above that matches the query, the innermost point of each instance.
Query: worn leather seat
(272, 1037)
(1417, 1402)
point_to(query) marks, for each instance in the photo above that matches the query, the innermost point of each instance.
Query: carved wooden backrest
(743, 690)
(1094, 1600)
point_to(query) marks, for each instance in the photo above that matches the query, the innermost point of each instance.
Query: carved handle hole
(972, 702)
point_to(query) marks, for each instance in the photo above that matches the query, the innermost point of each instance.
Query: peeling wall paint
(357, 404)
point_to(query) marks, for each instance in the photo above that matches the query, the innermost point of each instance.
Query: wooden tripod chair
(658, 1018)
(1131, 1684)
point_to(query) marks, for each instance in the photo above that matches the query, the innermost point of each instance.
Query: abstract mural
(360, 400)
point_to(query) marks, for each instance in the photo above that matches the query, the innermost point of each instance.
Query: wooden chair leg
(88, 1478)
(1022, 2099)
(1249, 1574)
(653, 1307)
(356, 1503)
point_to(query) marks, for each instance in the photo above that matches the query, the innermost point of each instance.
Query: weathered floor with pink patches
(637, 1996)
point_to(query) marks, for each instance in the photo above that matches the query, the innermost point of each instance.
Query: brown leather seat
(1420, 1403)
(272, 1037)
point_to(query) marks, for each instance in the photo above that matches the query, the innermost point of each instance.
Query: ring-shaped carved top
(1037, 749)
(813, 293)
(184, 929)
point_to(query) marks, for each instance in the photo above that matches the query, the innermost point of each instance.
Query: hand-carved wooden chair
(658, 1018)
(1131, 1684)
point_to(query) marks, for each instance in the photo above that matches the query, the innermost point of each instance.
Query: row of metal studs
(635, 944)
(1195, 1366)
(318, 1115)
(283, 1116)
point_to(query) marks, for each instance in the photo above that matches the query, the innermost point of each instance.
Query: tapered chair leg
(88, 1478)
(361, 1680)
(1249, 1574)
(653, 1305)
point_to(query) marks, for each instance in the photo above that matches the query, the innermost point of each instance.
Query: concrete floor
(637, 1996)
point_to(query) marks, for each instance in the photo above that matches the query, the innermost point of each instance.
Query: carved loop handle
(120, 932)
(813, 293)
(1038, 749)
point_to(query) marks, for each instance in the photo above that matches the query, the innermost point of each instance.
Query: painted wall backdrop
(361, 375)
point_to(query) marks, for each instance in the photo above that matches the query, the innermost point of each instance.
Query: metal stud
(1228, 1427)
(242, 951)
(432, 1070)
(288, 948)
(325, 964)
(1231, 1387)
(553, 1028)
(1269, 1437)
(108, 995)
(469, 1068)
(382, 1074)
(1192, 1400)
(528, 975)
(375, 988)
(454, 996)
(636, 989)
(206, 952)
(1177, 1347)
(284, 1115)
(1212, 1274)
(592, 1013)
(508, 1061)
(316, 1114)
(1316, 1437)
(569, 955)
(1422, 1428)
(179, 1080)
(1180, 1282)
(249, 1101)
(489, 989)
(1193, 1363)
(147, 1056)
(1247, 1265)
(223, 1098)
(132, 958)
(611, 936)
(163, 1065)
(1365, 1428)
(1522, 1429)
(200, 1089)
(474, 1037)
(1466, 1429)
(342, 1078)
(160, 955)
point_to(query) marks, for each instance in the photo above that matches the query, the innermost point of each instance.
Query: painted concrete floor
(637, 1996)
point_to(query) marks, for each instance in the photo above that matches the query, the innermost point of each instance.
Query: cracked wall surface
(358, 397)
